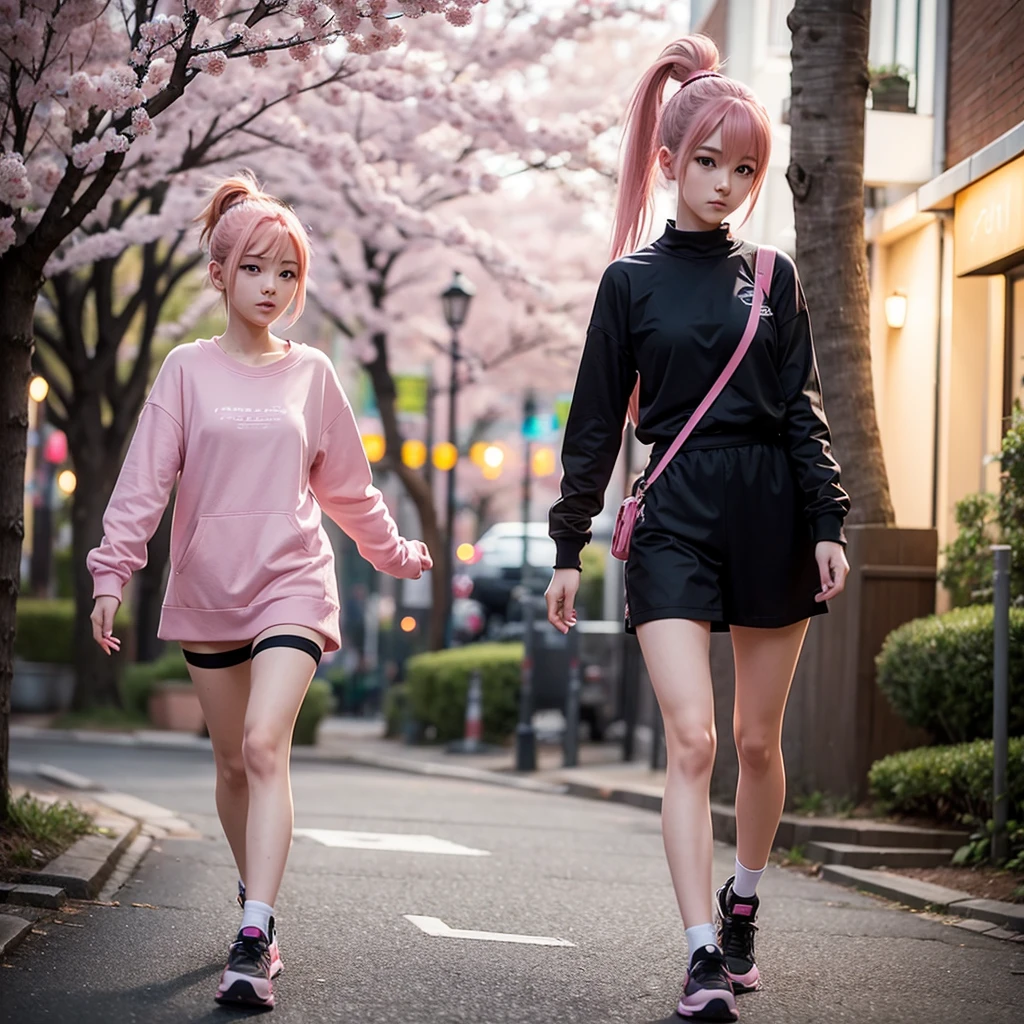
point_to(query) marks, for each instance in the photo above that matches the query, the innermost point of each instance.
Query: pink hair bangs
(267, 230)
(746, 134)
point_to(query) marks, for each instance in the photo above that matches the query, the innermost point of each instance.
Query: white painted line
(396, 842)
(434, 926)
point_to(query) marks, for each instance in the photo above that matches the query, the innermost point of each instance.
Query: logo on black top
(746, 291)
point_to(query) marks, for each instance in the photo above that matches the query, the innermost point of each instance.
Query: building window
(779, 38)
(1013, 389)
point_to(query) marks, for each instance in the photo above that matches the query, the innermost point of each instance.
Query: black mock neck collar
(695, 244)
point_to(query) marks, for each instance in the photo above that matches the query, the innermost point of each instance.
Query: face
(264, 285)
(710, 187)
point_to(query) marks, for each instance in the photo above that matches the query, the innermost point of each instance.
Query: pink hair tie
(697, 75)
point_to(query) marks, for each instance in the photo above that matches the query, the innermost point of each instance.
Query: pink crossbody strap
(763, 268)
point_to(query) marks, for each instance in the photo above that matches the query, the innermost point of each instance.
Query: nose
(268, 287)
(723, 186)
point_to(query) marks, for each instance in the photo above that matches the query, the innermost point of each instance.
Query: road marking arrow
(396, 842)
(436, 927)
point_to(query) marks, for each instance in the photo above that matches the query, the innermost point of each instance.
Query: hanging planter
(890, 89)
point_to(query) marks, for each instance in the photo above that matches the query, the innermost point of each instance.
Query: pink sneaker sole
(276, 965)
(240, 989)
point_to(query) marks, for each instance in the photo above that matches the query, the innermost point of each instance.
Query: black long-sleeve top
(674, 312)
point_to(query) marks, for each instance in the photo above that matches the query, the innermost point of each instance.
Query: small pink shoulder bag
(630, 509)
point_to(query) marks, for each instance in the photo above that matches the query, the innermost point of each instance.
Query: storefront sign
(988, 231)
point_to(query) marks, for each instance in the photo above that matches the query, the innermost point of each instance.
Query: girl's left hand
(833, 567)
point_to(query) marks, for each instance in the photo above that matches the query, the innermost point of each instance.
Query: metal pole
(449, 555)
(529, 411)
(631, 694)
(657, 737)
(1000, 698)
(526, 740)
(571, 738)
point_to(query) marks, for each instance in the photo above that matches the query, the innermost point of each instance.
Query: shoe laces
(737, 936)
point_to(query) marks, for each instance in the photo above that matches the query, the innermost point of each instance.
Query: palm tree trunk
(826, 175)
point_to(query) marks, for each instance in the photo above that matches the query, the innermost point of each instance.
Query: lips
(266, 305)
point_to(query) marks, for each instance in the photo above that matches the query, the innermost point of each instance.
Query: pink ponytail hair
(705, 101)
(240, 214)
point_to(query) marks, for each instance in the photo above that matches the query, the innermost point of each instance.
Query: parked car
(496, 568)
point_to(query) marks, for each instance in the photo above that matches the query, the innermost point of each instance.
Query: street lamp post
(529, 415)
(455, 300)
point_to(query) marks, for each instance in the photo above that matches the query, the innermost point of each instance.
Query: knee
(231, 771)
(756, 749)
(691, 749)
(263, 754)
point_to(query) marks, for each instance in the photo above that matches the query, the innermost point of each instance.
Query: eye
(287, 274)
(250, 266)
(745, 169)
(705, 161)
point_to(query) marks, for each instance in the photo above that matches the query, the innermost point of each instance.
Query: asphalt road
(588, 873)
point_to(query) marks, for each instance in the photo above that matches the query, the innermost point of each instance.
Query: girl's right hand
(561, 598)
(102, 619)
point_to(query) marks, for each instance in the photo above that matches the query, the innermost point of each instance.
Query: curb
(991, 915)
(80, 871)
(12, 931)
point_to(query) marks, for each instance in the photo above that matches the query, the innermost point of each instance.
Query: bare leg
(677, 655)
(280, 678)
(223, 694)
(765, 662)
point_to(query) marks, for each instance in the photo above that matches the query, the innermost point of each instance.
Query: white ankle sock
(745, 883)
(700, 935)
(257, 915)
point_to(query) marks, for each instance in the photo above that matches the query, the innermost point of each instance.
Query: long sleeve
(140, 496)
(342, 483)
(806, 432)
(593, 433)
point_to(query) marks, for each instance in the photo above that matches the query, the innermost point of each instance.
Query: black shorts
(723, 539)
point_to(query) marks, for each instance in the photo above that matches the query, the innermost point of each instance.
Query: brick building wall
(986, 74)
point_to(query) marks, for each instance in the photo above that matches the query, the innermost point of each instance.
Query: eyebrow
(718, 152)
(256, 256)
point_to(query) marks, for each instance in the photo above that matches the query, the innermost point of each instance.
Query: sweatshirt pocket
(233, 557)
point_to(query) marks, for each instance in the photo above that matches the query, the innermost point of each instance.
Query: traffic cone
(472, 740)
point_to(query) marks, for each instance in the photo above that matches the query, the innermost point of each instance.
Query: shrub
(590, 600)
(947, 782)
(315, 708)
(46, 630)
(437, 683)
(138, 680)
(937, 672)
(985, 519)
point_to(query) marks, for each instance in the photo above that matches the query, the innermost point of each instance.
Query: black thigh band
(225, 659)
(300, 643)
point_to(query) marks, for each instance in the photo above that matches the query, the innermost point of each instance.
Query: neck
(687, 220)
(244, 338)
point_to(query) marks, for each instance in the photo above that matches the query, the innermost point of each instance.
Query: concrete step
(857, 856)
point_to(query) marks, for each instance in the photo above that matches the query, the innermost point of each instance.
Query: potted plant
(890, 88)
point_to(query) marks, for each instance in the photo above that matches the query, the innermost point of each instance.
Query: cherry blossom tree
(82, 84)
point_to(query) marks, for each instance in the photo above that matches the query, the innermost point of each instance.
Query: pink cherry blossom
(15, 187)
(207, 8)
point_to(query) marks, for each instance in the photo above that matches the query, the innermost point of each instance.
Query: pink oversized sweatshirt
(258, 451)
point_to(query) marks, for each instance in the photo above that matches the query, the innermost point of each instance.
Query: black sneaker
(736, 928)
(707, 990)
(276, 963)
(246, 978)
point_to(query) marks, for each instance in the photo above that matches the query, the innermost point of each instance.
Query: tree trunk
(149, 590)
(19, 286)
(826, 175)
(96, 678)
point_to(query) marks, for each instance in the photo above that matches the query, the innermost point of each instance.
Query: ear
(666, 162)
(216, 272)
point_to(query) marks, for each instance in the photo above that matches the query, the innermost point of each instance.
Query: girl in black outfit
(745, 529)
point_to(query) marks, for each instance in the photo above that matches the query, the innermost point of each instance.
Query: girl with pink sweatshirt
(259, 437)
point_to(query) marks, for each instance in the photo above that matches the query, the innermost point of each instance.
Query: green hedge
(46, 630)
(315, 708)
(947, 782)
(937, 673)
(437, 683)
(138, 680)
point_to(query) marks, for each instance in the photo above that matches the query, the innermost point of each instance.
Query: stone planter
(891, 94)
(40, 687)
(174, 706)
